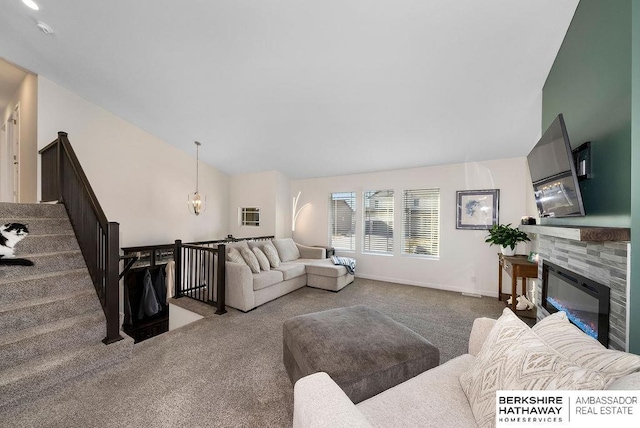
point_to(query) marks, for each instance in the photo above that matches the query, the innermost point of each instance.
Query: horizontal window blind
(378, 221)
(342, 220)
(421, 222)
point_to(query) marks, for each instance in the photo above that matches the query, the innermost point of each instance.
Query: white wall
(466, 263)
(141, 181)
(269, 191)
(284, 206)
(27, 96)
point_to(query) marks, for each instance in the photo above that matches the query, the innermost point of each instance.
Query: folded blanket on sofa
(347, 262)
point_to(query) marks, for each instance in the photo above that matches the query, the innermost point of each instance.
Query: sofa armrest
(318, 402)
(479, 332)
(311, 252)
(239, 286)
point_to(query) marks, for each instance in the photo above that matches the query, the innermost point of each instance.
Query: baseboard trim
(428, 285)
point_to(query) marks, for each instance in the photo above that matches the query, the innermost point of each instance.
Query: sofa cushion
(558, 332)
(266, 279)
(262, 259)
(233, 255)
(287, 249)
(514, 357)
(323, 267)
(291, 269)
(271, 253)
(431, 399)
(250, 259)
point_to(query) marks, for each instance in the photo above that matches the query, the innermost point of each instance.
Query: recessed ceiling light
(31, 4)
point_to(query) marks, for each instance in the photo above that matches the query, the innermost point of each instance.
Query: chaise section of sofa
(298, 266)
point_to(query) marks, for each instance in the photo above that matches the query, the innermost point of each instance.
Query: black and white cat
(10, 235)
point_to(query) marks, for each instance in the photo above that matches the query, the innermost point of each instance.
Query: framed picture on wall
(477, 209)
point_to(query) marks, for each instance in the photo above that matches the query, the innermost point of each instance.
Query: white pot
(508, 251)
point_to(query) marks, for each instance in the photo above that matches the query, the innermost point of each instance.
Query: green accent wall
(595, 83)
(634, 301)
(590, 84)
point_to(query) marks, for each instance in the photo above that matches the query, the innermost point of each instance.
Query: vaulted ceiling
(310, 88)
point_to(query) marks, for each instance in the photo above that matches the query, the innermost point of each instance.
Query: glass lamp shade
(197, 203)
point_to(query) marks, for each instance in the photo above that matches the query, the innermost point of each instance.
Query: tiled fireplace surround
(604, 262)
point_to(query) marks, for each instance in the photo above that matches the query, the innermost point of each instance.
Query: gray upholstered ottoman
(364, 351)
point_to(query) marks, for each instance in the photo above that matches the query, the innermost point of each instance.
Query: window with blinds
(342, 220)
(421, 222)
(378, 222)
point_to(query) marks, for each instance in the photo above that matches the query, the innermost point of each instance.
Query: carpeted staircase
(51, 320)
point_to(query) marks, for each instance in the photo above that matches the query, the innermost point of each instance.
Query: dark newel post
(177, 257)
(61, 135)
(222, 256)
(112, 286)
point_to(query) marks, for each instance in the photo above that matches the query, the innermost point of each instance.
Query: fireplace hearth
(586, 302)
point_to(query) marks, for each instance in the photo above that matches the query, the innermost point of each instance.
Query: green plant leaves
(506, 236)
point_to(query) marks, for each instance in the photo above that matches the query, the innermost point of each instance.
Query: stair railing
(200, 273)
(64, 181)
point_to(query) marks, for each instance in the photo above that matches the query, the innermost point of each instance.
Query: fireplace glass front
(585, 302)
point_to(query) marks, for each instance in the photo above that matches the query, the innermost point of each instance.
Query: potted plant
(507, 237)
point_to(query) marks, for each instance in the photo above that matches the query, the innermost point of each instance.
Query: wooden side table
(517, 267)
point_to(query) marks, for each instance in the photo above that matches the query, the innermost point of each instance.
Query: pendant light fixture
(197, 202)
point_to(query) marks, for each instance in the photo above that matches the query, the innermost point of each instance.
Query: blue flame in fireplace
(582, 325)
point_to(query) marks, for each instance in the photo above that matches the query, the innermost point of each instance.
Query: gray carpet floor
(227, 371)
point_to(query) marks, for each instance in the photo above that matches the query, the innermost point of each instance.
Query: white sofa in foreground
(457, 394)
(294, 266)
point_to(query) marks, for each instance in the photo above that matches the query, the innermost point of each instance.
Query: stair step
(31, 378)
(42, 226)
(19, 211)
(19, 346)
(45, 285)
(31, 313)
(44, 263)
(45, 244)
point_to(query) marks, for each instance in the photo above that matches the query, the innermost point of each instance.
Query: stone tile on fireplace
(603, 262)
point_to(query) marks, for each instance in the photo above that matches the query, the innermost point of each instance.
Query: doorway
(10, 158)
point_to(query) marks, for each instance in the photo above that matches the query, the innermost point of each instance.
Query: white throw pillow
(558, 332)
(251, 260)
(514, 358)
(287, 249)
(262, 259)
(272, 254)
(233, 255)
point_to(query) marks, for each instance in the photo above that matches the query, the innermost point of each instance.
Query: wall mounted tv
(553, 173)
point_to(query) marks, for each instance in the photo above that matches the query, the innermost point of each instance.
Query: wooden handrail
(64, 181)
(63, 140)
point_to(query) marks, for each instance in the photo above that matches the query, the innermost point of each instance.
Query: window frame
(243, 213)
(411, 202)
(390, 214)
(333, 225)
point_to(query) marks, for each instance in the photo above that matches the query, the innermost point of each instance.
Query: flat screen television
(553, 173)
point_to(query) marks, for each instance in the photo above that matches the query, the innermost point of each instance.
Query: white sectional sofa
(447, 395)
(298, 266)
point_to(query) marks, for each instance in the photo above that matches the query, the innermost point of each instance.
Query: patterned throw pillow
(558, 332)
(272, 254)
(262, 259)
(513, 357)
(251, 260)
(233, 255)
